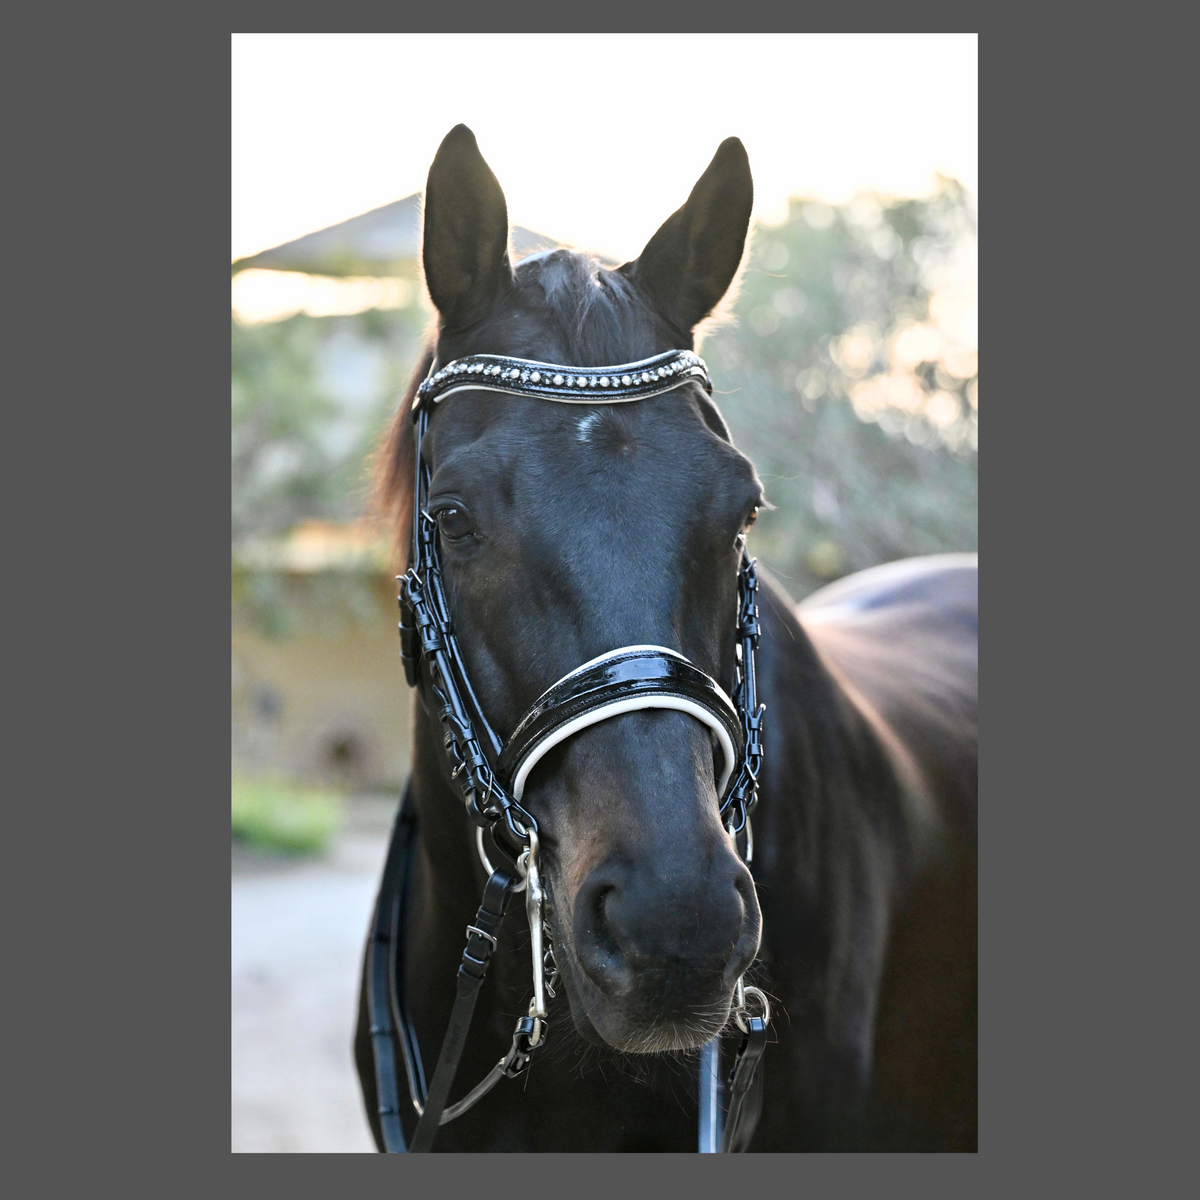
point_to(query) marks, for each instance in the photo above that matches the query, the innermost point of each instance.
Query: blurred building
(318, 692)
(383, 242)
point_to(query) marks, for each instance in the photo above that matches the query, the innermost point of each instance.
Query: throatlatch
(491, 776)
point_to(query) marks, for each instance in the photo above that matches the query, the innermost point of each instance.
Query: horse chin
(668, 1037)
(609, 1023)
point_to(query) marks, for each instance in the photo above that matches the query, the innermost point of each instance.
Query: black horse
(569, 530)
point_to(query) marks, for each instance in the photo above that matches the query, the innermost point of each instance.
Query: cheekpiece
(567, 385)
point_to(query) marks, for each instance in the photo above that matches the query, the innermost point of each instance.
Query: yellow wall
(323, 708)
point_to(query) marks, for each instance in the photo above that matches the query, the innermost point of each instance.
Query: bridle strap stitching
(615, 709)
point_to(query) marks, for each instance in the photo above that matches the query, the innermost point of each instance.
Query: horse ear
(465, 253)
(688, 265)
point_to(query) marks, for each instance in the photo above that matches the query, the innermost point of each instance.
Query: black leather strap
(427, 636)
(481, 942)
(406, 1035)
(384, 928)
(391, 1028)
(745, 1089)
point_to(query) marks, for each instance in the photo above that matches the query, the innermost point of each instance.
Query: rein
(491, 777)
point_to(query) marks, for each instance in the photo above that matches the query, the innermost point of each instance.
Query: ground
(298, 932)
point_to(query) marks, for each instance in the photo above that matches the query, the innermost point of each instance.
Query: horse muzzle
(652, 958)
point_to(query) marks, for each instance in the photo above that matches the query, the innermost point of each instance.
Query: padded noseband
(625, 680)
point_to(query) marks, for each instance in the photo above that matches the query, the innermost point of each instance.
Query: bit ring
(737, 1012)
(487, 865)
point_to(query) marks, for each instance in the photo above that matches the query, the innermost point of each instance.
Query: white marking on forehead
(587, 425)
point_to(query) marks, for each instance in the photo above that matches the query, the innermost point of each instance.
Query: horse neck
(828, 769)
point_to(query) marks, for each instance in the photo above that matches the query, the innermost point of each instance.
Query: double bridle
(491, 776)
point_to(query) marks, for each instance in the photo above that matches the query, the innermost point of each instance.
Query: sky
(595, 138)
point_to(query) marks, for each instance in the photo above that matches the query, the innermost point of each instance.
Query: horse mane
(393, 464)
(600, 315)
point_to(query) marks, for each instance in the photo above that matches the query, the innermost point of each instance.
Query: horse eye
(454, 524)
(751, 519)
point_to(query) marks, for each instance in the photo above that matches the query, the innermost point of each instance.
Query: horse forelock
(599, 316)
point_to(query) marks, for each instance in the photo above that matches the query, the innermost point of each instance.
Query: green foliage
(279, 605)
(280, 469)
(311, 397)
(282, 816)
(299, 447)
(865, 446)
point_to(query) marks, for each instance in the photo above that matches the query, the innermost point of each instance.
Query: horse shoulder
(903, 643)
(902, 640)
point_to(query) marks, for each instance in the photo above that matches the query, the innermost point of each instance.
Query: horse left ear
(465, 250)
(688, 265)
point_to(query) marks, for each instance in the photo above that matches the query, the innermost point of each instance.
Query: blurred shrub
(281, 604)
(850, 378)
(280, 469)
(283, 816)
(310, 398)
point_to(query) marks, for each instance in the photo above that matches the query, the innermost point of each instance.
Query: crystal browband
(569, 385)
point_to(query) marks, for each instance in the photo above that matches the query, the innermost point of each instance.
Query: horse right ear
(465, 253)
(688, 265)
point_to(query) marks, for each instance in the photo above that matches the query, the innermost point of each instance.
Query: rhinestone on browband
(571, 385)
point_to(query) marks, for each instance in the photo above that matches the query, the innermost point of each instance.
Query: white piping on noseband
(615, 709)
(632, 704)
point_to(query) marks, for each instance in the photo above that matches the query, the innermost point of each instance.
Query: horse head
(568, 530)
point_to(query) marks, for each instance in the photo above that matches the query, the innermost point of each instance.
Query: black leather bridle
(491, 775)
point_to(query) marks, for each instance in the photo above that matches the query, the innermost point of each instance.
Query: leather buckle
(483, 933)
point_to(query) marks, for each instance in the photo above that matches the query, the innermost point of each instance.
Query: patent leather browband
(568, 385)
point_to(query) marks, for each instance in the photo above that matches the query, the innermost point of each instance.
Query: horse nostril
(599, 902)
(746, 948)
(596, 941)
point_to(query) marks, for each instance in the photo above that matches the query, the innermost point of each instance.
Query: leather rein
(491, 776)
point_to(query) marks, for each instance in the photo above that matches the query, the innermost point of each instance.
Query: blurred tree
(311, 396)
(851, 379)
(280, 470)
(306, 413)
